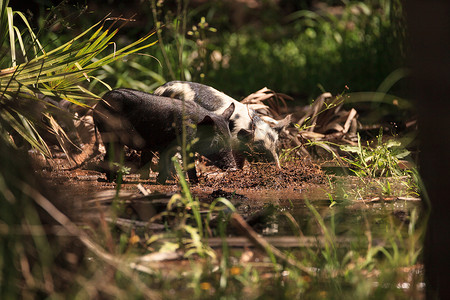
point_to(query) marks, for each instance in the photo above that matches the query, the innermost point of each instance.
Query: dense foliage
(293, 47)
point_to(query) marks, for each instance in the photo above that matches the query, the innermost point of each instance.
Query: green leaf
(393, 143)
(59, 73)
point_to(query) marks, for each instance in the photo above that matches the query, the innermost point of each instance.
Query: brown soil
(292, 175)
(249, 188)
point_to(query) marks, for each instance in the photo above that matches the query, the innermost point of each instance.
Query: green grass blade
(27, 133)
(30, 31)
(12, 44)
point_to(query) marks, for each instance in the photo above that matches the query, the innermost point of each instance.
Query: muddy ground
(85, 188)
(85, 194)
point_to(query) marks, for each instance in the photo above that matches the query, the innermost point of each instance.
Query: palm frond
(59, 74)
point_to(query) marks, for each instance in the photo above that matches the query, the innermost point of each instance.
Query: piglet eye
(215, 143)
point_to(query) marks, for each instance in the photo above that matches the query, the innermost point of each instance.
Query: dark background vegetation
(296, 47)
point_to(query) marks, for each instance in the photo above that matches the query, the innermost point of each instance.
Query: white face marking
(244, 120)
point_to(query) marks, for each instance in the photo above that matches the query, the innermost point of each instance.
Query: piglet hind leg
(146, 164)
(113, 160)
(166, 168)
(192, 174)
(165, 165)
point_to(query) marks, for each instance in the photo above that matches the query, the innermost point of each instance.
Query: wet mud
(293, 175)
(260, 191)
(255, 181)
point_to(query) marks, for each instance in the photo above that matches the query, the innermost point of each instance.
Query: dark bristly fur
(151, 123)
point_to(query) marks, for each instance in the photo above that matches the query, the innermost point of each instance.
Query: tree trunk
(429, 29)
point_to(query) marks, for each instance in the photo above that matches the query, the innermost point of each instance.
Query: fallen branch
(287, 242)
(239, 223)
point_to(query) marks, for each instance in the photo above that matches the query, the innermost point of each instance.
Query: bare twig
(239, 223)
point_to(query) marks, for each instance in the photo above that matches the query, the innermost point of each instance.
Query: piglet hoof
(110, 177)
(144, 175)
(192, 175)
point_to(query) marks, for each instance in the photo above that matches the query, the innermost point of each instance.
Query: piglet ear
(207, 120)
(282, 123)
(228, 112)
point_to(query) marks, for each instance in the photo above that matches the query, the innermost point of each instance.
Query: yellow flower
(134, 239)
(205, 286)
(235, 271)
